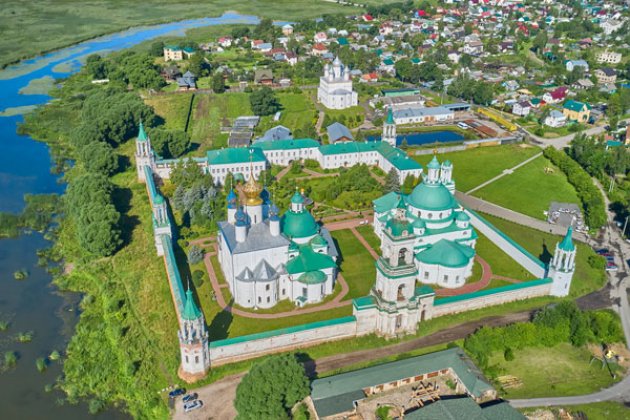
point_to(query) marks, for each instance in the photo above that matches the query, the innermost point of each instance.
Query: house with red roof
(556, 95)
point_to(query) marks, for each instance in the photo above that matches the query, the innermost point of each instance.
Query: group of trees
(128, 68)
(264, 101)
(354, 189)
(169, 143)
(591, 153)
(271, 388)
(553, 325)
(589, 194)
(479, 92)
(196, 197)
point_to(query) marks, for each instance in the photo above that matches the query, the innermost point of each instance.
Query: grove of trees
(264, 101)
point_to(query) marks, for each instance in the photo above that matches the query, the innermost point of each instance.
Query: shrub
(41, 364)
(508, 354)
(597, 261)
(10, 359)
(197, 277)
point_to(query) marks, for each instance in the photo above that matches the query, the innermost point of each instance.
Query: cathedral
(335, 87)
(266, 257)
(427, 230)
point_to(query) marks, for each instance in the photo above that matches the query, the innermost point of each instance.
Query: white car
(192, 405)
(463, 125)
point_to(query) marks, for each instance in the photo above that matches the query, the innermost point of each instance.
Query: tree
(271, 388)
(157, 49)
(264, 102)
(198, 65)
(218, 83)
(99, 157)
(195, 254)
(392, 183)
(170, 143)
(240, 32)
(96, 66)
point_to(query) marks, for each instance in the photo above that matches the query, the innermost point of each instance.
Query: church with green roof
(267, 257)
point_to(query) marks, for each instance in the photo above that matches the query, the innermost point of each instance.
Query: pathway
(218, 397)
(365, 243)
(283, 172)
(504, 173)
(486, 277)
(483, 206)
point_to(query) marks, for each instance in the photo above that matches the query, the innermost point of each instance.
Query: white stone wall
(507, 246)
(254, 348)
(285, 157)
(490, 300)
(441, 276)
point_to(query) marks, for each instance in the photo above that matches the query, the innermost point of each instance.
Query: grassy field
(560, 371)
(500, 262)
(530, 190)
(475, 166)
(172, 108)
(357, 265)
(297, 111)
(542, 245)
(30, 28)
(367, 231)
(596, 411)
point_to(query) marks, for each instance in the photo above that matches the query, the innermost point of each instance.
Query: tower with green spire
(562, 266)
(144, 152)
(193, 341)
(389, 128)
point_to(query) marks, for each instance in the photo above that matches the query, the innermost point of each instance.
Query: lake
(35, 304)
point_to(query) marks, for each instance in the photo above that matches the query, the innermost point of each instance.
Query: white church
(335, 87)
(267, 258)
(428, 229)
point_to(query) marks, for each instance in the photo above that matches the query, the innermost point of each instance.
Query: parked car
(602, 251)
(176, 392)
(610, 258)
(193, 405)
(190, 397)
(463, 125)
(611, 267)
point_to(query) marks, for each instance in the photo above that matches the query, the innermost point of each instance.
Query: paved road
(483, 206)
(562, 142)
(618, 285)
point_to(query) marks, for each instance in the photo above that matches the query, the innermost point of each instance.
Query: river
(35, 304)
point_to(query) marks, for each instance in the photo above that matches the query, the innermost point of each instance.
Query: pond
(418, 139)
(34, 304)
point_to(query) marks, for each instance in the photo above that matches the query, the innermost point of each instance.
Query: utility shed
(337, 394)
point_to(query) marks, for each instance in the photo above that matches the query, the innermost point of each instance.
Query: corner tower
(193, 342)
(562, 266)
(144, 153)
(389, 129)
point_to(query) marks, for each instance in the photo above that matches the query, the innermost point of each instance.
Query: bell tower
(562, 266)
(193, 342)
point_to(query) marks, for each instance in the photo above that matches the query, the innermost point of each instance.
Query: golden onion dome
(252, 190)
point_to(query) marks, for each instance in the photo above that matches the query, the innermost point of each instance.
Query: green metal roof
(576, 106)
(191, 312)
(236, 155)
(395, 156)
(447, 254)
(298, 224)
(364, 302)
(462, 217)
(309, 260)
(398, 227)
(432, 197)
(297, 198)
(434, 164)
(142, 135)
(567, 242)
(319, 241)
(286, 144)
(464, 407)
(281, 331)
(158, 199)
(424, 290)
(312, 277)
(390, 116)
(386, 202)
(336, 394)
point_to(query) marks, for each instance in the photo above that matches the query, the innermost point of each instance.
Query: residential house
(338, 132)
(522, 108)
(369, 78)
(320, 37)
(556, 95)
(319, 49)
(454, 56)
(187, 82)
(506, 47)
(610, 25)
(225, 41)
(263, 77)
(583, 84)
(609, 57)
(570, 65)
(511, 85)
(388, 66)
(576, 111)
(278, 132)
(175, 53)
(606, 75)
(287, 30)
(555, 119)
(473, 47)
(171, 72)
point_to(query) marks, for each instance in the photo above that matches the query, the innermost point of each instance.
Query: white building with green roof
(266, 258)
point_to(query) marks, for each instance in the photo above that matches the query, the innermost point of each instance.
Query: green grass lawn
(31, 28)
(560, 371)
(475, 166)
(529, 190)
(298, 111)
(173, 108)
(500, 262)
(367, 231)
(357, 265)
(596, 411)
(542, 245)
(349, 115)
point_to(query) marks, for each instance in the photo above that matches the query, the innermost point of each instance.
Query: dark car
(602, 251)
(190, 397)
(176, 392)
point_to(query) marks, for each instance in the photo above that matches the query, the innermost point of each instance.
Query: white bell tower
(144, 153)
(193, 342)
(389, 129)
(562, 266)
